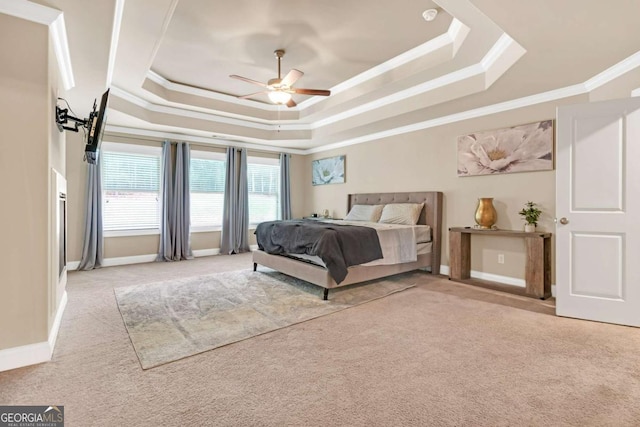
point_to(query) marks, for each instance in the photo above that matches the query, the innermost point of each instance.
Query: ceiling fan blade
(291, 103)
(252, 94)
(320, 92)
(291, 77)
(255, 82)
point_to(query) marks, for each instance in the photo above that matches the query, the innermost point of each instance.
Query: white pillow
(369, 213)
(401, 213)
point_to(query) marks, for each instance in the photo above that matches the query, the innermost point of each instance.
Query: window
(206, 181)
(130, 187)
(263, 179)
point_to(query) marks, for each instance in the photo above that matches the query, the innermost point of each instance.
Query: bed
(311, 272)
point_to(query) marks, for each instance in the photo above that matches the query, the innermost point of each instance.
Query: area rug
(171, 320)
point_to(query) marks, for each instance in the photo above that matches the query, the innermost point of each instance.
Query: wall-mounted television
(96, 123)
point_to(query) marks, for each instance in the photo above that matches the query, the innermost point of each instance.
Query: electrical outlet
(500, 258)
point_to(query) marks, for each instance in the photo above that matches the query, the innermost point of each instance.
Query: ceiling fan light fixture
(279, 97)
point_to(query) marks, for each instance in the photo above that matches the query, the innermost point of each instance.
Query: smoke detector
(430, 14)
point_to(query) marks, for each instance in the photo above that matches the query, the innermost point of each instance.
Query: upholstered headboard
(431, 213)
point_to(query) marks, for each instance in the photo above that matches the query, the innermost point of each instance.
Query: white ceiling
(387, 68)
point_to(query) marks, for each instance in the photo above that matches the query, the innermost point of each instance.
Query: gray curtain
(92, 248)
(175, 244)
(285, 186)
(235, 220)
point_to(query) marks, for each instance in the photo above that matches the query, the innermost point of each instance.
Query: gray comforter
(339, 246)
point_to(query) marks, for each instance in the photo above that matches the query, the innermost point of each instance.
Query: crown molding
(454, 36)
(464, 115)
(197, 91)
(115, 36)
(269, 126)
(222, 141)
(165, 24)
(600, 79)
(52, 18)
(613, 72)
(504, 49)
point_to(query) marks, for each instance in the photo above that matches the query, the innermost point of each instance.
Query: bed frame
(431, 215)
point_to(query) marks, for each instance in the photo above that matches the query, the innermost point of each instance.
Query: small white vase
(529, 228)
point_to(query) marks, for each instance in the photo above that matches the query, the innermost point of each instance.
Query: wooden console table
(537, 268)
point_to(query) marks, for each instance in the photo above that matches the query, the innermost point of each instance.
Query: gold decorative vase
(486, 214)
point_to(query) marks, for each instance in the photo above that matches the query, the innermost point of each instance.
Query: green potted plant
(530, 213)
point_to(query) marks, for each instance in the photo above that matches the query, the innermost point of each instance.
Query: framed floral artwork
(522, 148)
(328, 171)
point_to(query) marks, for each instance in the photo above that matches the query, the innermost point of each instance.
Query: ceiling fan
(280, 89)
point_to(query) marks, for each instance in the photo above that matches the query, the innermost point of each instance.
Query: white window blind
(206, 181)
(263, 179)
(130, 188)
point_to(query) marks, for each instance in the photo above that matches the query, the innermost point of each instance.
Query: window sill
(127, 233)
(205, 229)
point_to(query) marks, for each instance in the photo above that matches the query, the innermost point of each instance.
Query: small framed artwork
(524, 148)
(328, 171)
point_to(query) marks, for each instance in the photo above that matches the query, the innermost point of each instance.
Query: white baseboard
(25, 355)
(444, 270)
(125, 260)
(53, 333)
(206, 252)
(141, 259)
(32, 354)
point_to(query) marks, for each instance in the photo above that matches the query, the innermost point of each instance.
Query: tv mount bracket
(63, 117)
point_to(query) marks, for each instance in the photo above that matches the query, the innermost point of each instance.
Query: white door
(598, 211)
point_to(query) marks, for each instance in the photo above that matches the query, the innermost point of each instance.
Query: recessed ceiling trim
(30, 11)
(505, 47)
(497, 50)
(61, 48)
(115, 35)
(455, 35)
(191, 90)
(613, 72)
(221, 142)
(526, 101)
(458, 33)
(54, 19)
(566, 92)
(165, 26)
(446, 80)
(126, 96)
(454, 32)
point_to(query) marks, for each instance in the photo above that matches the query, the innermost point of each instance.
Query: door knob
(564, 221)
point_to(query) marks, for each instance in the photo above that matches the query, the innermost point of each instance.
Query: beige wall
(426, 160)
(25, 114)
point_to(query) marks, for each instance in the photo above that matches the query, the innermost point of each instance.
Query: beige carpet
(171, 320)
(438, 354)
